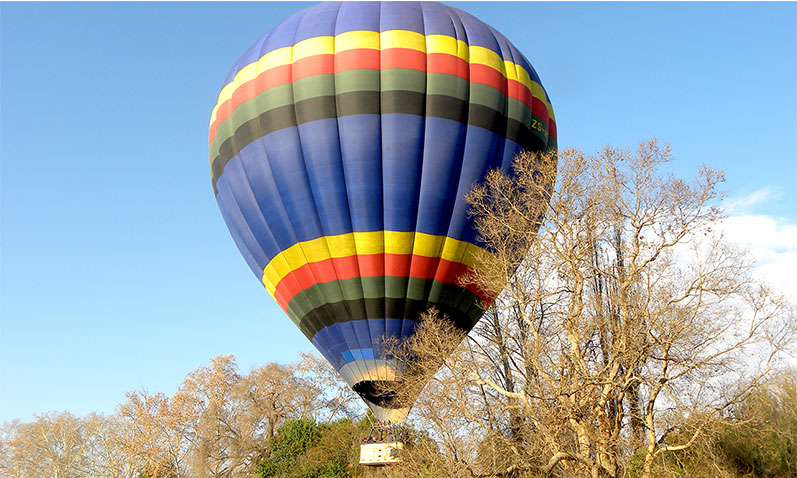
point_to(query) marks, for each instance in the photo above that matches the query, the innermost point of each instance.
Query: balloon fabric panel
(341, 149)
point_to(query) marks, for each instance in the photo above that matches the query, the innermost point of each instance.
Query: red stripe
(364, 58)
(398, 264)
(402, 58)
(274, 77)
(489, 76)
(445, 63)
(373, 265)
(313, 65)
(357, 59)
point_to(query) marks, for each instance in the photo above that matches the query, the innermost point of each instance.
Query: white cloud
(771, 240)
(744, 204)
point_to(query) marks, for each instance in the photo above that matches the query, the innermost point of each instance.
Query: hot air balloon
(342, 146)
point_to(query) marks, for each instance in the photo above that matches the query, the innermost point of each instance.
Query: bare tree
(219, 422)
(625, 320)
(330, 396)
(59, 445)
(155, 439)
(104, 454)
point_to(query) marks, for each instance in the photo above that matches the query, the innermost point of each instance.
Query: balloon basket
(382, 445)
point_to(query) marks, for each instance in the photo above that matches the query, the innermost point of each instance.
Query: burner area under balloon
(381, 393)
(383, 397)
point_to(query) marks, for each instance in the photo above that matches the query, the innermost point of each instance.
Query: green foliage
(168, 473)
(757, 439)
(762, 441)
(305, 449)
(291, 441)
(421, 457)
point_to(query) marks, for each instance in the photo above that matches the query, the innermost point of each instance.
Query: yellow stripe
(274, 58)
(377, 242)
(313, 46)
(447, 44)
(389, 39)
(403, 39)
(484, 56)
(356, 40)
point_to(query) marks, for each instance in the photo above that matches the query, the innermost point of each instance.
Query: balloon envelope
(341, 149)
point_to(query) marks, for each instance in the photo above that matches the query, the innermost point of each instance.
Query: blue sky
(116, 269)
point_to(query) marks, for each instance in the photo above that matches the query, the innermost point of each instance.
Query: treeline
(219, 423)
(277, 421)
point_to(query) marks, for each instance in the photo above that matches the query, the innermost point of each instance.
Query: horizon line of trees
(219, 423)
(148, 437)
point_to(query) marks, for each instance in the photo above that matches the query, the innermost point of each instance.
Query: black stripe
(361, 309)
(357, 103)
(373, 102)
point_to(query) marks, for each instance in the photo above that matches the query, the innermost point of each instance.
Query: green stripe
(356, 80)
(403, 79)
(269, 99)
(313, 86)
(347, 311)
(370, 80)
(373, 102)
(382, 287)
(447, 85)
(319, 294)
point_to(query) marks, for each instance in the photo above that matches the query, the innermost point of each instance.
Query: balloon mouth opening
(382, 393)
